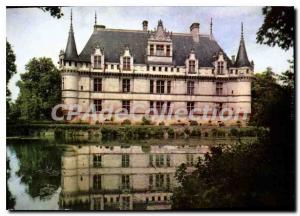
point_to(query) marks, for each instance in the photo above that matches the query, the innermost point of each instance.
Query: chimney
(145, 25)
(195, 31)
(99, 27)
(233, 59)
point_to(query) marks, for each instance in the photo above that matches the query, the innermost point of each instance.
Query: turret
(242, 58)
(71, 51)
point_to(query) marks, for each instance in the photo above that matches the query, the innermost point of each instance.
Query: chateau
(154, 73)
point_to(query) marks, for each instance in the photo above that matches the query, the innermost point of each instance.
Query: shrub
(161, 123)
(126, 122)
(196, 132)
(146, 121)
(171, 132)
(234, 132)
(193, 123)
(218, 132)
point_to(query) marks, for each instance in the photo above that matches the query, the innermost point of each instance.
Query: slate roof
(113, 42)
(242, 58)
(71, 51)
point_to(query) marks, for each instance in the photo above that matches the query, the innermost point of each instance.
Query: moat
(140, 175)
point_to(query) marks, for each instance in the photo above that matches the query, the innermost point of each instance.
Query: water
(98, 176)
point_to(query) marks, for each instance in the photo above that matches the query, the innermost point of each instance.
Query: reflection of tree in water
(10, 199)
(40, 167)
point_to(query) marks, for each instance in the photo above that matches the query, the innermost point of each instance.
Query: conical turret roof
(242, 58)
(71, 51)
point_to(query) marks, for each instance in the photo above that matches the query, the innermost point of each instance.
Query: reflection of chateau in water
(125, 178)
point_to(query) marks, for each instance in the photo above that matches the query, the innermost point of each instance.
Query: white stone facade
(221, 85)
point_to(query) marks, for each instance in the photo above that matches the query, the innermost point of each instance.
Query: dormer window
(126, 63)
(97, 62)
(160, 50)
(220, 67)
(192, 66)
(168, 50)
(151, 49)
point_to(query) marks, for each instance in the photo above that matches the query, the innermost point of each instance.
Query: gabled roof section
(114, 40)
(71, 51)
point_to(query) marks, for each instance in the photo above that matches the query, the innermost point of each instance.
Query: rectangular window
(159, 160)
(126, 63)
(177, 69)
(169, 86)
(190, 107)
(219, 88)
(220, 67)
(125, 182)
(98, 105)
(150, 182)
(151, 160)
(125, 203)
(151, 49)
(192, 66)
(159, 68)
(97, 62)
(159, 181)
(125, 160)
(97, 84)
(97, 160)
(166, 69)
(97, 203)
(189, 160)
(148, 68)
(160, 50)
(168, 160)
(168, 180)
(160, 86)
(168, 50)
(151, 107)
(168, 107)
(159, 106)
(126, 85)
(172, 69)
(112, 67)
(97, 182)
(190, 87)
(153, 68)
(126, 105)
(151, 86)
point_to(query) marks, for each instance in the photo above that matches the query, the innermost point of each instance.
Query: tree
(11, 69)
(259, 175)
(278, 27)
(40, 90)
(54, 11)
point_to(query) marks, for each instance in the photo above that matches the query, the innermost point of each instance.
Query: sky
(34, 33)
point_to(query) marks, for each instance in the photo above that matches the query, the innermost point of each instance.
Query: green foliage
(196, 131)
(40, 168)
(231, 178)
(278, 27)
(11, 69)
(40, 90)
(146, 121)
(216, 132)
(193, 123)
(54, 11)
(126, 122)
(161, 123)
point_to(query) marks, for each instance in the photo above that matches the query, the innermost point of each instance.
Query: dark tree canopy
(40, 90)
(54, 11)
(11, 67)
(250, 175)
(278, 27)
